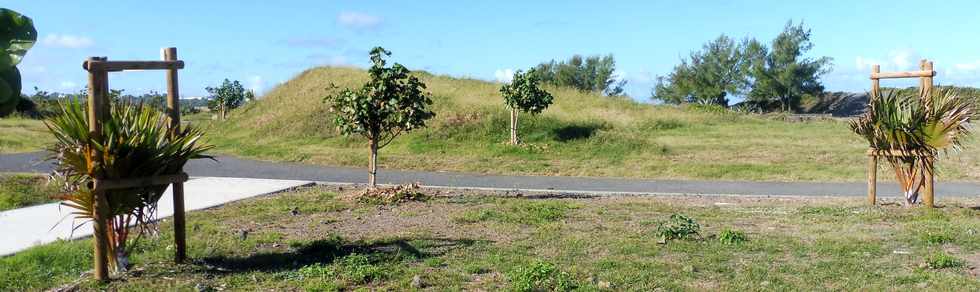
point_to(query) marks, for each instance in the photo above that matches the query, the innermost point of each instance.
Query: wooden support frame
(925, 74)
(98, 109)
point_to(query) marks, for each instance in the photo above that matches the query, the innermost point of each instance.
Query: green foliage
(17, 35)
(678, 227)
(942, 260)
(917, 125)
(226, 97)
(593, 73)
(781, 74)
(390, 103)
(540, 276)
(523, 93)
(708, 76)
(135, 142)
(732, 237)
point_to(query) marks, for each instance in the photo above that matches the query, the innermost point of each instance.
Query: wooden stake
(872, 179)
(173, 110)
(97, 84)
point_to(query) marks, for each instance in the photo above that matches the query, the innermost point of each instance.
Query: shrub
(731, 237)
(942, 260)
(540, 276)
(678, 227)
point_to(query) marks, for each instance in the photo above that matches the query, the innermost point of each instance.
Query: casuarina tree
(392, 102)
(523, 94)
(230, 95)
(17, 35)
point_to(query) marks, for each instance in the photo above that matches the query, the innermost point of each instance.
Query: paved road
(236, 167)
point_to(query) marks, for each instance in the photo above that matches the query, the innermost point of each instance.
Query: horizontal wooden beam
(112, 66)
(111, 184)
(904, 74)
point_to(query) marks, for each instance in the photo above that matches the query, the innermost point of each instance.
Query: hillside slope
(582, 134)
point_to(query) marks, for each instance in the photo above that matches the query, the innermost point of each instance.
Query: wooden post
(872, 179)
(97, 87)
(173, 111)
(929, 184)
(875, 84)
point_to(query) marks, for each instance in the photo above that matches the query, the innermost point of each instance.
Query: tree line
(769, 77)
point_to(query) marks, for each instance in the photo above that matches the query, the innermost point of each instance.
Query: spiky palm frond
(921, 126)
(135, 141)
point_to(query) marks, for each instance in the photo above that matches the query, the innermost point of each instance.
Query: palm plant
(135, 141)
(910, 130)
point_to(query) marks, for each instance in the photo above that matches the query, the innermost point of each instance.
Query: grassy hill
(582, 134)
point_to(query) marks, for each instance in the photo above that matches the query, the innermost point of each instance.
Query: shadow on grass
(576, 132)
(325, 251)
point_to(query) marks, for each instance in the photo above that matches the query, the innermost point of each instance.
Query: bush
(731, 237)
(540, 276)
(678, 227)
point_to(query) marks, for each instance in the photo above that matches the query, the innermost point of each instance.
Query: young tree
(230, 95)
(709, 76)
(390, 103)
(523, 94)
(17, 35)
(782, 76)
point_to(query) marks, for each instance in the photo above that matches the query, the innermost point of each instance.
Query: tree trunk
(373, 164)
(513, 127)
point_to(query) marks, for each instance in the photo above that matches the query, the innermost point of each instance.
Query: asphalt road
(227, 166)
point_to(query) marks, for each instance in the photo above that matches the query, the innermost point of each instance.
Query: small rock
(417, 281)
(922, 285)
(604, 285)
(764, 283)
(243, 234)
(294, 211)
(275, 245)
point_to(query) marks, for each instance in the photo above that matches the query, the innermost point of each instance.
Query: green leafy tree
(17, 35)
(230, 95)
(593, 73)
(708, 76)
(782, 75)
(524, 94)
(392, 102)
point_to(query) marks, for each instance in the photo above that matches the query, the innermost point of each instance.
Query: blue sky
(263, 43)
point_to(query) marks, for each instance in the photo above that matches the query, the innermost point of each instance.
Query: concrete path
(235, 167)
(36, 225)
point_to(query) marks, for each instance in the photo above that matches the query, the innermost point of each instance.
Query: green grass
(583, 244)
(22, 190)
(582, 134)
(23, 135)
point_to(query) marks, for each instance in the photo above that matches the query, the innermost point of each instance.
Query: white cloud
(67, 41)
(68, 85)
(897, 60)
(358, 20)
(504, 75)
(256, 83)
